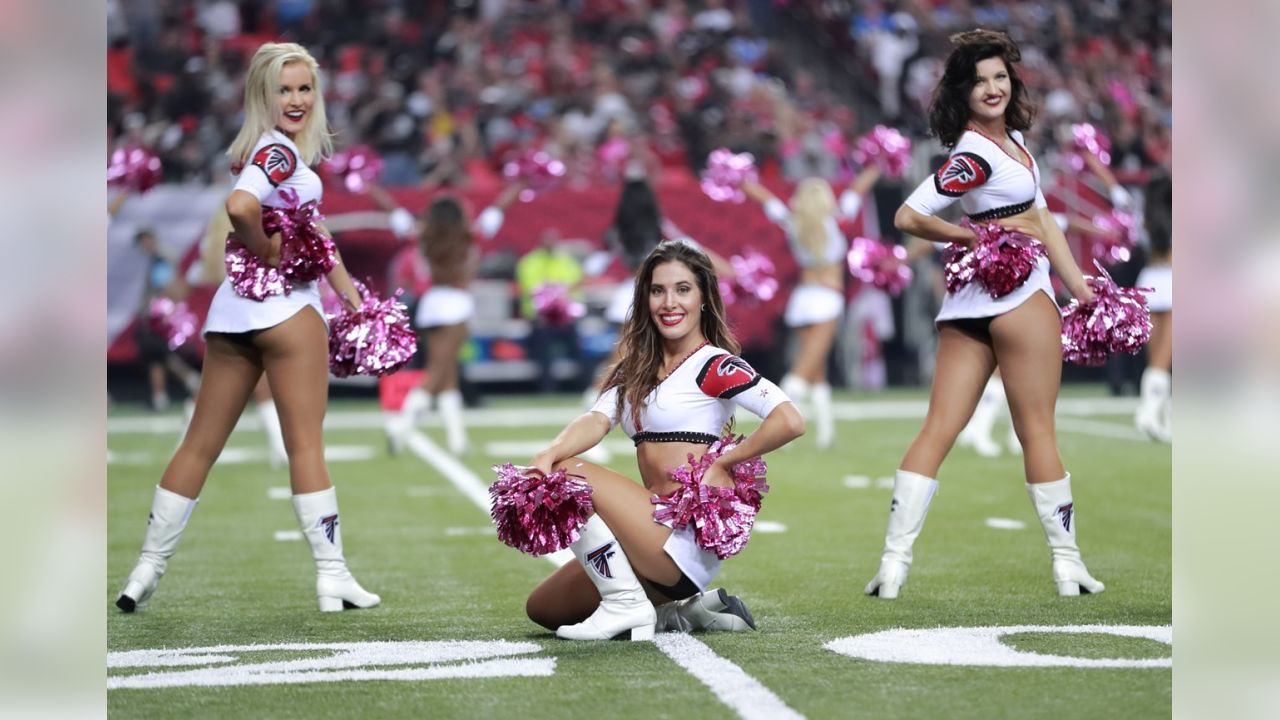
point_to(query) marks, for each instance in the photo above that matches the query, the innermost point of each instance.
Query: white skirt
(973, 300)
(230, 313)
(813, 303)
(620, 304)
(1159, 277)
(697, 564)
(444, 305)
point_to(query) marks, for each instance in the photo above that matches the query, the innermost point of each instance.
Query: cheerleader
(283, 336)
(448, 243)
(978, 112)
(814, 310)
(1154, 416)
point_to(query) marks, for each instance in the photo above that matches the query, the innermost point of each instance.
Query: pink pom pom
(554, 306)
(355, 168)
(881, 264)
(1117, 320)
(173, 321)
(250, 276)
(374, 339)
(537, 169)
(1001, 259)
(885, 147)
(306, 253)
(754, 278)
(721, 517)
(1089, 139)
(1119, 238)
(134, 168)
(726, 172)
(538, 514)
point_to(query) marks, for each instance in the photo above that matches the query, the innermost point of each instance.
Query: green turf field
(417, 539)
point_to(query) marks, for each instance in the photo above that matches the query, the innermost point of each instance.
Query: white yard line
(733, 686)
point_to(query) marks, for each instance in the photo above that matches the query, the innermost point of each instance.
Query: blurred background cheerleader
(1154, 414)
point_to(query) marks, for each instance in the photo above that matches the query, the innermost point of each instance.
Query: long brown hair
(949, 111)
(446, 235)
(640, 347)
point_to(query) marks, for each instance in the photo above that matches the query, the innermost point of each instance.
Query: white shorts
(444, 305)
(230, 313)
(697, 564)
(812, 303)
(1159, 277)
(620, 304)
(973, 300)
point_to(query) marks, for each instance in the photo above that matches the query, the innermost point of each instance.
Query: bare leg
(296, 357)
(963, 366)
(1160, 348)
(442, 381)
(1028, 348)
(815, 343)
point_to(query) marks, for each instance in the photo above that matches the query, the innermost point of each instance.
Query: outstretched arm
(578, 436)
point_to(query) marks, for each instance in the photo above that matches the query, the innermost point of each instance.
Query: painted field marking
(287, 535)
(1005, 524)
(347, 661)
(426, 491)
(518, 451)
(857, 482)
(741, 692)
(279, 492)
(981, 646)
(730, 683)
(769, 527)
(465, 531)
(884, 483)
(1098, 428)
(239, 455)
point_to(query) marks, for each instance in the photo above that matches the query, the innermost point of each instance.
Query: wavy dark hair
(446, 235)
(640, 346)
(637, 227)
(949, 110)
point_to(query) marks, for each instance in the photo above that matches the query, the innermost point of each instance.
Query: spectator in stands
(550, 264)
(817, 302)
(449, 245)
(979, 111)
(284, 132)
(153, 348)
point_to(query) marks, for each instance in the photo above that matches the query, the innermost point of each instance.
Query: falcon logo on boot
(1064, 513)
(330, 525)
(599, 559)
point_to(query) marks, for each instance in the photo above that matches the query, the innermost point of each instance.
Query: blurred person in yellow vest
(547, 265)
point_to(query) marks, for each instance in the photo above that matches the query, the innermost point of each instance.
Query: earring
(704, 306)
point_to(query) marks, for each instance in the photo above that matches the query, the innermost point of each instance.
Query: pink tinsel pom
(306, 253)
(357, 167)
(538, 514)
(374, 339)
(1119, 238)
(722, 518)
(885, 147)
(250, 276)
(726, 172)
(881, 264)
(1000, 260)
(554, 306)
(173, 321)
(754, 278)
(1116, 321)
(537, 169)
(1088, 138)
(134, 168)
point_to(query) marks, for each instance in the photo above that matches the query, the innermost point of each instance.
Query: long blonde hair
(260, 107)
(812, 204)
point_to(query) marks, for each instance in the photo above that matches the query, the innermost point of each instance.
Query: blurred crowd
(448, 89)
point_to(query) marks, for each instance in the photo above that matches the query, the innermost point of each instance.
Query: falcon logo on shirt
(727, 375)
(277, 161)
(963, 172)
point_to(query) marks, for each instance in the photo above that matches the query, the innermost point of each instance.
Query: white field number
(982, 646)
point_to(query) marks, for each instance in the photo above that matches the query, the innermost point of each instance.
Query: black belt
(678, 436)
(1002, 212)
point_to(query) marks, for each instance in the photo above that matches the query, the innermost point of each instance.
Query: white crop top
(837, 245)
(274, 165)
(696, 400)
(984, 177)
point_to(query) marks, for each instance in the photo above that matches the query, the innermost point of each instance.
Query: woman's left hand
(1024, 224)
(717, 476)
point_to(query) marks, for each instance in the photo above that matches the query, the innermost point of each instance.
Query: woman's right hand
(274, 242)
(544, 462)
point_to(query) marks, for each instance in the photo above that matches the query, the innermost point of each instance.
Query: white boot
(335, 587)
(623, 604)
(715, 610)
(977, 434)
(794, 387)
(822, 415)
(169, 514)
(398, 425)
(277, 456)
(912, 494)
(1152, 404)
(451, 414)
(1056, 511)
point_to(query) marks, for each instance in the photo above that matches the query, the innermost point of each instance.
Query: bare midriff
(658, 459)
(831, 276)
